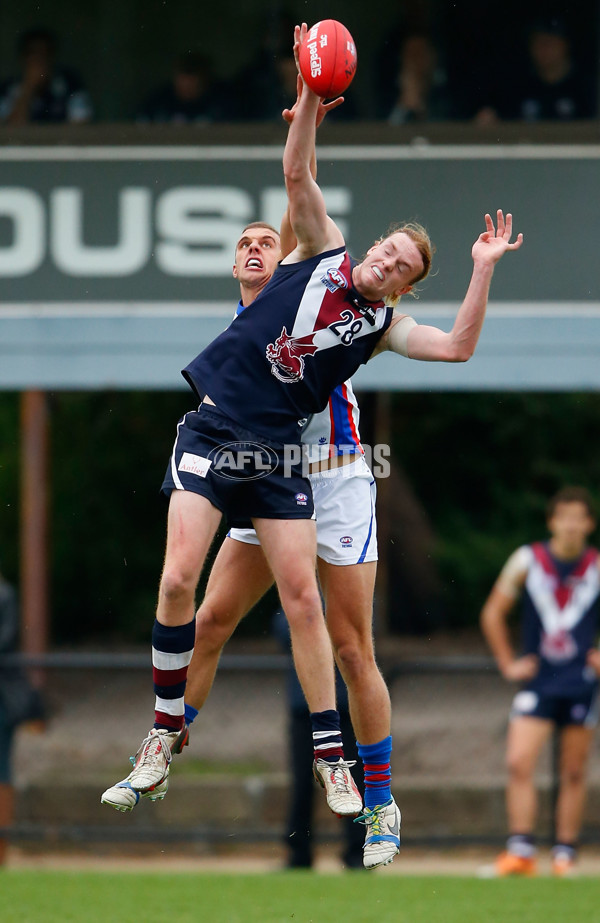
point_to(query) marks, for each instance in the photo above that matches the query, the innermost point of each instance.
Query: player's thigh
(348, 593)
(191, 525)
(575, 745)
(239, 578)
(290, 547)
(525, 739)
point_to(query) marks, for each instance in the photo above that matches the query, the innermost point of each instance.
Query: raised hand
(495, 240)
(324, 108)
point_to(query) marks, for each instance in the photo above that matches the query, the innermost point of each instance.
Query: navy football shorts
(241, 474)
(579, 709)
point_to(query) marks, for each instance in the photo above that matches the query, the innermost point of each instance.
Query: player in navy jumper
(559, 581)
(318, 319)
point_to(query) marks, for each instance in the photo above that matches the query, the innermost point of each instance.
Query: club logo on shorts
(243, 461)
(334, 279)
(346, 541)
(301, 499)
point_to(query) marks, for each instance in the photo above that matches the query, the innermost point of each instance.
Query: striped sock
(378, 775)
(172, 649)
(327, 736)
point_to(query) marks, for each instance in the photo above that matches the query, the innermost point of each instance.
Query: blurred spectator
(552, 88)
(44, 92)
(19, 702)
(299, 838)
(418, 82)
(192, 95)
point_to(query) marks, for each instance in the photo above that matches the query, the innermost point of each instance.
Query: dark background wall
(124, 48)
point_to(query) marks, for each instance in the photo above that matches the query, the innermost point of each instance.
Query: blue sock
(378, 776)
(189, 714)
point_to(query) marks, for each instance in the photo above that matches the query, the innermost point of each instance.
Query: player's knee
(519, 768)
(214, 624)
(177, 585)
(299, 599)
(572, 775)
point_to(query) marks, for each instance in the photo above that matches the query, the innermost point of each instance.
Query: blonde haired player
(319, 318)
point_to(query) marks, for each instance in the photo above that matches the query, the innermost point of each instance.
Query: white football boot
(150, 771)
(382, 841)
(343, 797)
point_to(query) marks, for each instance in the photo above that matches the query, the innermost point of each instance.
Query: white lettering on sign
(191, 232)
(25, 209)
(75, 258)
(200, 228)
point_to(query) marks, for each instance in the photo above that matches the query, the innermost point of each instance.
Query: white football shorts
(344, 501)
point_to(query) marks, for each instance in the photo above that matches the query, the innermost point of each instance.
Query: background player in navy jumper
(560, 584)
(318, 319)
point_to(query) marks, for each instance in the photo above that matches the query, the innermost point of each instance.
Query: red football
(328, 58)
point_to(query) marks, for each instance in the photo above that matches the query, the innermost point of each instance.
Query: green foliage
(359, 897)
(484, 467)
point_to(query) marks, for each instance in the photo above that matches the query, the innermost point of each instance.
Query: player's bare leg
(348, 595)
(525, 739)
(192, 523)
(575, 747)
(290, 548)
(349, 605)
(239, 578)
(191, 526)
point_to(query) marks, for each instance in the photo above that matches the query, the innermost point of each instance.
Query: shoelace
(340, 776)
(372, 818)
(150, 754)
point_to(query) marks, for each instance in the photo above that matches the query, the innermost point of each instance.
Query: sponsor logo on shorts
(301, 499)
(578, 712)
(346, 541)
(243, 461)
(334, 279)
(194, 464)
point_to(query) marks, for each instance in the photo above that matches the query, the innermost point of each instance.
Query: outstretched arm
(435, 345)
(313, 229)
(288, 238)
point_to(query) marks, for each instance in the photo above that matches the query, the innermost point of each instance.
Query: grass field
(34, 896)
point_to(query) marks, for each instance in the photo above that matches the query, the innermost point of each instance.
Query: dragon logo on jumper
(286, 356)
(334, 279)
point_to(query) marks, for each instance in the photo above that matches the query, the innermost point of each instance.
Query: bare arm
(312, 227)
(435, 345)
(494, 625)
(288, 238)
